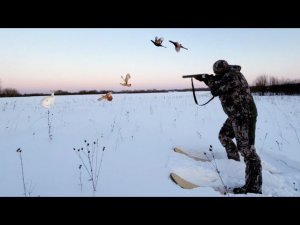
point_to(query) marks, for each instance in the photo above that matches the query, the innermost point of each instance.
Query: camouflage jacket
(234, 93)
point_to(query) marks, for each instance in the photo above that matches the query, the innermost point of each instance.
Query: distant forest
(263, 85)
(268, 85)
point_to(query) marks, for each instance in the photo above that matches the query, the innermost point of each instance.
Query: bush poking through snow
(213, 162)
(89, 157)
(27, 192)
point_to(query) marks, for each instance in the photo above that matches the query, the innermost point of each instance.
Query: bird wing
(106, 96)
(160, 40)
(127, 77)
(47, 102)
(183, 47)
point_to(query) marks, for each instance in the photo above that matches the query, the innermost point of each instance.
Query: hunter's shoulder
(231, 74)
(234, 71)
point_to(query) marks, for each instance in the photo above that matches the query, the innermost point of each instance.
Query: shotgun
(195, 75)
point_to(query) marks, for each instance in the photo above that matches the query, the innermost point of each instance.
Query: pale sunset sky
(40, 60)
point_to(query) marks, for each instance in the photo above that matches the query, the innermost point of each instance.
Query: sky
(40, 60)
(139, 132)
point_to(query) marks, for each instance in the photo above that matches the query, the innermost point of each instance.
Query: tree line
(263, 85)
(270, 85)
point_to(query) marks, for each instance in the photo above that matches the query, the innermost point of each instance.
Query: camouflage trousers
(243, 130)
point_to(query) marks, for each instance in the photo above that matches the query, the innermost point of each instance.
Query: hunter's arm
(219, 85)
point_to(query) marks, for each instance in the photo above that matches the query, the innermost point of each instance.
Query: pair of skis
(185, 184)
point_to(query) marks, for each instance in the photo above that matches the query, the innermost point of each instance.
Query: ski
(195, 156)
(185, 184)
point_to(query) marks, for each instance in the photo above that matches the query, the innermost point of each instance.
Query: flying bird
(107, 97)
(127, 77)
(48, 102)
(177, 46)
(158, 42)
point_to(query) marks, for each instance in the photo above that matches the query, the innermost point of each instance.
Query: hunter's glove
(214, 92)
(202, 77)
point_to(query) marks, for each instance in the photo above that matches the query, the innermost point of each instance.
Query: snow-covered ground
(130, 142)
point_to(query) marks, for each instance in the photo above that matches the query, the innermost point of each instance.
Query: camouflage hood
(235, 68)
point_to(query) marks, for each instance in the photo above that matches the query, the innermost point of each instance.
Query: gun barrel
(188, 76)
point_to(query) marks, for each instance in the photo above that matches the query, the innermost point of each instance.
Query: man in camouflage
(237, 102)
